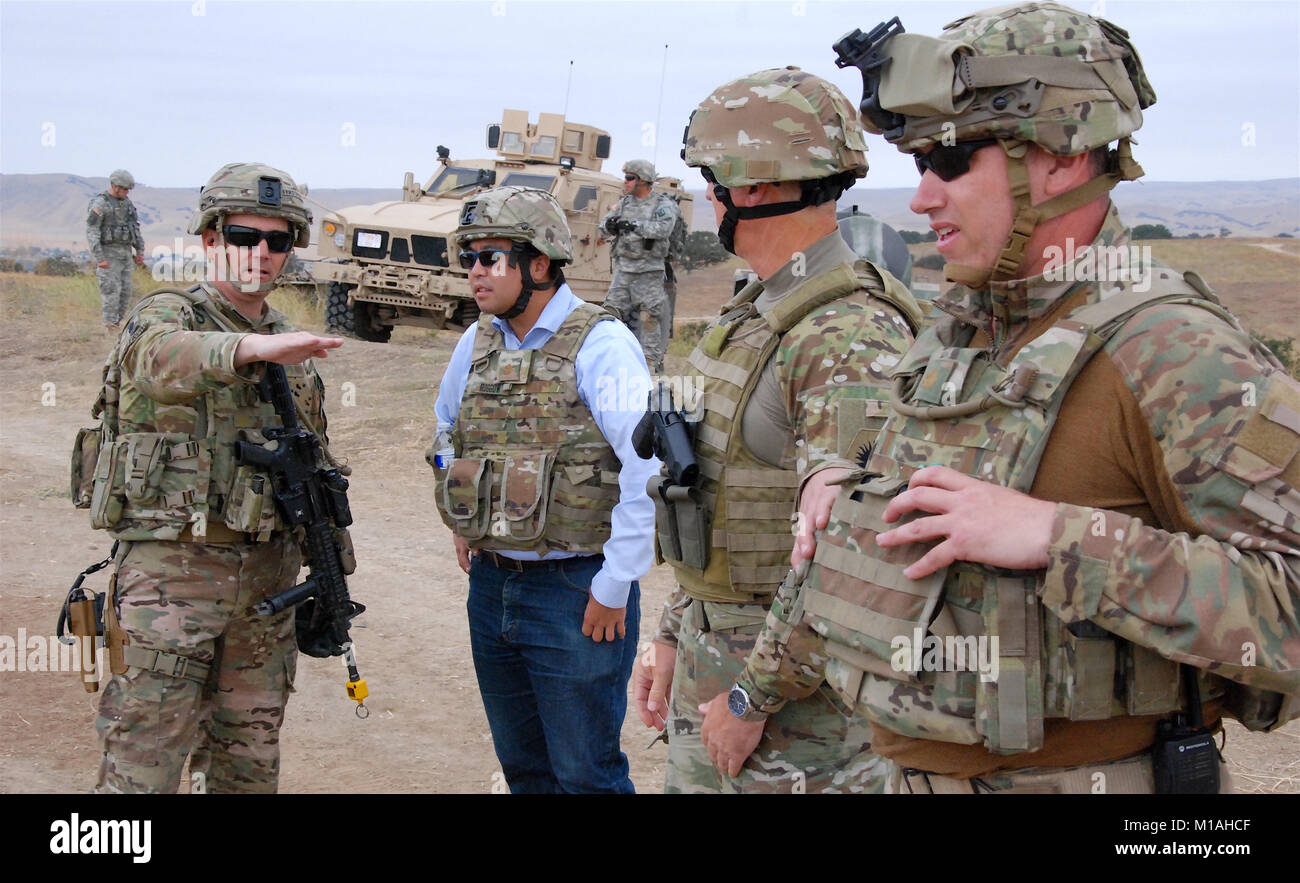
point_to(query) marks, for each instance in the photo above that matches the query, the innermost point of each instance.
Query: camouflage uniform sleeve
(661, 221)
(838, 358)
(94, 228)
(137, 238)
(670, 620)
(168, 362)
(841, 352)
(1225, 594)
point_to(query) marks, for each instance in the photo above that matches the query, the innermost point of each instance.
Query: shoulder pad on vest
(1106, 316)
(889, 288)
(819, 291)
(573, 331)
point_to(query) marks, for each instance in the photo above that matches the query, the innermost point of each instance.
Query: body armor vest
(152, 485)
(119, 221)
(729, 539)
(532, 470)
(954, 406)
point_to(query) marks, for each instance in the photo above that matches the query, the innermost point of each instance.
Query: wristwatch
(738, 703)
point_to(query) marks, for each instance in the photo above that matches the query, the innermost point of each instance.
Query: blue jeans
(554, 698)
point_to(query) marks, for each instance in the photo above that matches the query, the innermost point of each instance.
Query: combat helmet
(121, 178)
(246, 188)
(782, 124)
(642, 168)
(1037, 73)
(525, 215)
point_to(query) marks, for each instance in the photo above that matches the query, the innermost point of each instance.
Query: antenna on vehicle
(654, 156)
(566, 89)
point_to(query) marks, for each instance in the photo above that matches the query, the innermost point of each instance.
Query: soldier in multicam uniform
(1103, 463)
(536, 473)
(113, 231)
(201, 543)
(794, 382)
(642, 225)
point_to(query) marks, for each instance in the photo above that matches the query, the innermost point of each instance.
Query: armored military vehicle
(394, 263)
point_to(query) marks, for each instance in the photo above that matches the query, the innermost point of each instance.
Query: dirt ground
(427, 731)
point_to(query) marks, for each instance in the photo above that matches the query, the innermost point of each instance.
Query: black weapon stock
(316, 500)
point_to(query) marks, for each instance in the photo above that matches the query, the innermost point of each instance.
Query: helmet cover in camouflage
(520, 214)
(121, 178)
(641, 168)
(781, 124)
(249, 188)
(1038, 72)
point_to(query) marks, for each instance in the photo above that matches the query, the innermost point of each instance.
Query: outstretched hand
(291, 348)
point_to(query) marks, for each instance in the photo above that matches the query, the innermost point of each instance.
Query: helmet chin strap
(529, 286)
(734, 213)
(1120, 167)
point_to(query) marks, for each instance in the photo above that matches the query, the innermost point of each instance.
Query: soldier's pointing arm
(170, 363)
(1227, 594)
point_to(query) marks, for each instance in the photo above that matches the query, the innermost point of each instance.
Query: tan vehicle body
(393, 263)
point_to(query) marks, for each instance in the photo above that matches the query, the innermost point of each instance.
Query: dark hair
(1099, 159)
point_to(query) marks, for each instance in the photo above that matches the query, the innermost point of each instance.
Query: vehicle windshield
(451, 178)
(519, 179)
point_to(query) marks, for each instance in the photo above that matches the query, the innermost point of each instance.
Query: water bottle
(446, 454)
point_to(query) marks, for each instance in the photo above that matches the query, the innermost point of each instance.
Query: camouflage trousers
(196, 600)
(642, 304)
(115, 283)
(807, 746)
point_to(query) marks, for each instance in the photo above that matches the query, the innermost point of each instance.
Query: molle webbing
(743, 506)
(859, 600)
(532, 469)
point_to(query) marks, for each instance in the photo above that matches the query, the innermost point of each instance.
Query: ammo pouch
(150, 476)
(85, 457)
(682, 523)
(250, 505)
(465, 492)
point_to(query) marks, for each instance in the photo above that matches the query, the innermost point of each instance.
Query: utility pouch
(108, 495)
(525, 492)
(82, 615)
(85, 456)
(1009, 709)
(144, 466)
(682, 522)
(250, 505)
(465, 496)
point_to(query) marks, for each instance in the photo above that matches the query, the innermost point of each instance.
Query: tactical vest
(153, 485)
(729, 539)
(879, 625)
(532, 470)
(119, 221)
(637, 252)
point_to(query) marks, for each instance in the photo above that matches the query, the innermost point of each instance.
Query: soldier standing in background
(202, 673)
(113, 231)
(1088, 474)
(538, 481)
(642, 225)
(795, 376)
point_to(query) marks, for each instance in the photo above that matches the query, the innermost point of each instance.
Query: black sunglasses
(629, 177)
(488, 257)
(951, 161)
(278, 241)
(719, 192)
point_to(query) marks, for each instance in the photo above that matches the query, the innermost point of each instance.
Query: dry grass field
(427, 731)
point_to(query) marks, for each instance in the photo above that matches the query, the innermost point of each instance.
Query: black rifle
(316, 500)
(665, 433)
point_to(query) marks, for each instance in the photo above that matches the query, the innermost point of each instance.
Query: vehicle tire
(362, 327)
(339, 318)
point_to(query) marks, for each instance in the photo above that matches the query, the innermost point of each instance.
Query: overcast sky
(352, 94)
